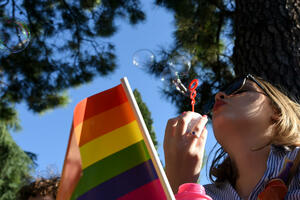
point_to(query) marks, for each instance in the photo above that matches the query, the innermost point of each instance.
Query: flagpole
(154, 156)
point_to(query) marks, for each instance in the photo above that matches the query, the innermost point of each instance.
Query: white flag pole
(149, 144)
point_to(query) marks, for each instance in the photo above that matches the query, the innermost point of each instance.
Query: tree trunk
(267, 41)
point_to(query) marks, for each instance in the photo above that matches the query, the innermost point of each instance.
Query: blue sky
(47, 134)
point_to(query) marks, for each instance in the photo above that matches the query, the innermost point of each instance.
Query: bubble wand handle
(192, 88)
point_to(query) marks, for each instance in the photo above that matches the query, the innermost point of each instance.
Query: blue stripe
(123, 183)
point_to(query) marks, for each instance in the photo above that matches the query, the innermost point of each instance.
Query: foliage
(227, 38)
(222, 38)
(68, 48)
(203, 32)
(146, 115)
(15, 165)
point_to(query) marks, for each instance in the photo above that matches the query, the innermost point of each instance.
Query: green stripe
(111, 166)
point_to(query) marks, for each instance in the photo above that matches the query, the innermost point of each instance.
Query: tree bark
(267, 42)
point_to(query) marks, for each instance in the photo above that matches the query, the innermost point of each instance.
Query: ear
(275, 116)
(274, 119)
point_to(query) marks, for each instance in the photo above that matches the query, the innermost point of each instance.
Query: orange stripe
(103, 123)
(98, 103)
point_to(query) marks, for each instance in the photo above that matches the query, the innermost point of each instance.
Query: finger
(171, 126)
(196, 136)
(199, 126)
(182, 123)
(202, 139)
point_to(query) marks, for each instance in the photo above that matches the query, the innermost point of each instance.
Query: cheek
(230, 120)
(243, 109)
(239, 115)
(230, 114)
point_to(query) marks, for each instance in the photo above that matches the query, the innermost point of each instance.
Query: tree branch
(218, 35)
(77, 27)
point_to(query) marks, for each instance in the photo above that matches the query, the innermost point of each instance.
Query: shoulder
(296, 180)
(278, 157)
(294, 187)
(283, 151)
(279, 160)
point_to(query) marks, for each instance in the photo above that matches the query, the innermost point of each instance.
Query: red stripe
(104, 123)
(98, 103)
(149, 191)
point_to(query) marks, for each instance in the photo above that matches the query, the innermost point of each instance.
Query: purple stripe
(123, 183)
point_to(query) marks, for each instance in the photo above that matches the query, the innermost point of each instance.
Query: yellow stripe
(110, 143)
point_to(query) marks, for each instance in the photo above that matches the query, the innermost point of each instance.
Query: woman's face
(243, 116)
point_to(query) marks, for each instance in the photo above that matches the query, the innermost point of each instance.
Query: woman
(257, 128)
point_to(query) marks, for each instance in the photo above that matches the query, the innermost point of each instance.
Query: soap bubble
(180, 65)
(176, 73)
(177, 70)
(172, 78)
(165, 74)
(143, 58)
(178, 80)
(180, 86)
(14, 35)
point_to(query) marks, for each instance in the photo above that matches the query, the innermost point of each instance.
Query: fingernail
(205, 116)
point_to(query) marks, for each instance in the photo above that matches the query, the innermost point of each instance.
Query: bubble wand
(192, 88)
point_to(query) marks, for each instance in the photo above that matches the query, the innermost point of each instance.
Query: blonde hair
(288, 121)
(286, 134)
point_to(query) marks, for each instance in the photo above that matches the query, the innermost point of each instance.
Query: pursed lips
(218, 104)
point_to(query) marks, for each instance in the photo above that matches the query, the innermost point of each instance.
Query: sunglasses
(232, 88)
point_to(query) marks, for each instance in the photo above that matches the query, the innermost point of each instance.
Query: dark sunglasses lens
(234, 86)
(228, 90)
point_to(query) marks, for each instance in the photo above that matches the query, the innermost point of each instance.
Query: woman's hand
(184, 151)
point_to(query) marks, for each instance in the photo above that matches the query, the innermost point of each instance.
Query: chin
(223, 132)
(218, 123)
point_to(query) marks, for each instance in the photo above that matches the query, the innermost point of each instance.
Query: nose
(220, 96)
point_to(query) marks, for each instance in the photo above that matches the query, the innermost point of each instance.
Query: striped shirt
(275, 163)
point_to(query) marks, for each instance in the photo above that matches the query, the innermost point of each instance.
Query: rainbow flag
(107, 156)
